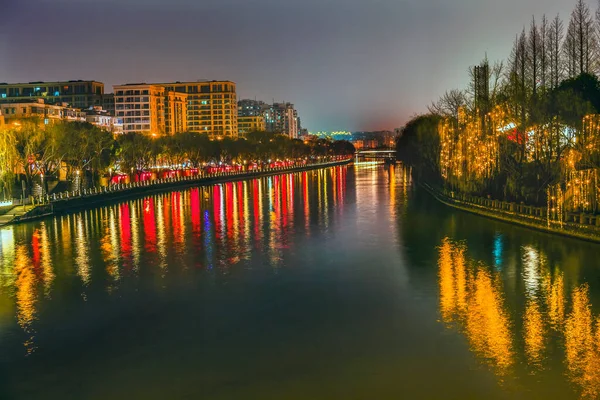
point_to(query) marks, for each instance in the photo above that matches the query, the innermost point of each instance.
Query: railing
(582, 225)
(202, 175)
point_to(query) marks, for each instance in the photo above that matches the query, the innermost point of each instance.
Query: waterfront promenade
(74, 200)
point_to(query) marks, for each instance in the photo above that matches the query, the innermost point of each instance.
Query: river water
(342, 283)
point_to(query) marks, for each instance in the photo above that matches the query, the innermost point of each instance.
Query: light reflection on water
(223, 225)
(494, 330)
(326, 284)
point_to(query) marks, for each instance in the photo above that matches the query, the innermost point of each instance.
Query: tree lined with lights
(37, 154)
(525, 130)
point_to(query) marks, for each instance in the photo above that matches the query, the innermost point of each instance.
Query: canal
(342, 283)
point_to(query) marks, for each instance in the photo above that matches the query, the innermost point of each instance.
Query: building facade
(103, 120)
(212, 107)
(176, 112)
(151, 109)
(47, 113)
(77, 94)
(282, 118)
(251, 108)
(108, 103)
(251, 124)
(278, 117)
(141, 107)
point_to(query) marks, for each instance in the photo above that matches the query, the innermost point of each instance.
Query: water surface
(341, 283)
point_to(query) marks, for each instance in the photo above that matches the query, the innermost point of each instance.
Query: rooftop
(49, 82)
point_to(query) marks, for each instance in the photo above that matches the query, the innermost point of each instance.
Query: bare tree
(580, 43)
(517, 81)
(533, 57)
(555, 38)
(544, 65)
(449, 104)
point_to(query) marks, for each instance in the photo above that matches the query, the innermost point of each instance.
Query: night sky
(345, 64)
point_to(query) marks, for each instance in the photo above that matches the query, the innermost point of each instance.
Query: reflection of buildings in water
(195, 210)
(109, 245)
(7, 256)
(162, 221)
(306, 200)
(46, 258)
(209, 241)
(135, 235)
(245, 217)
(392, 189)
(82, 260)
(177, 227)
(26, 296)
(126, 240)
(473, 299)
(149, 219)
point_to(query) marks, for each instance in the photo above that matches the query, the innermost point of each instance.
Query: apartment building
(104, 120)
(282, 118)
(278, 117)
(212, 107)
(47, 113)
(77, 94)
(251, 124)
(141, 107)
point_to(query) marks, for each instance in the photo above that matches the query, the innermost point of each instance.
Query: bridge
(375, 155)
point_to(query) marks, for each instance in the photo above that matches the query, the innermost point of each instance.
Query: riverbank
(116, 193)
(579, 226)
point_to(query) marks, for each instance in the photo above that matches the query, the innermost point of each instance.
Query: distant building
(385, 139)
(151, 109)
(47, 113)
(279, 117)
(108, 103)
(77, 94)
(102, 119)
(212, 107)
(176, 112)
(251, 108)
(282, 118)
(251, 124)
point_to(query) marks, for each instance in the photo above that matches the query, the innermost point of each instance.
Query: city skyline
(345, 65)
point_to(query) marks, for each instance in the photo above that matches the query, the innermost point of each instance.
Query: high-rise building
(251, 123)
(176, 112)
(151, 109)
(78, 94)
(279, 117)
(252, 108)
(282, 118)
(212, 107)
(141, 106)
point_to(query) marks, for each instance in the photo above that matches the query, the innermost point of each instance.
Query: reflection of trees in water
(471, 297)
(472, 300)
(582, 344)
